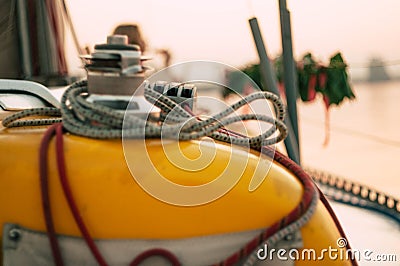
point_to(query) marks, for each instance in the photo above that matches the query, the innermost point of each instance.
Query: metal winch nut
(117, 39)
(14, 234)
(115, 68)
(178, 92)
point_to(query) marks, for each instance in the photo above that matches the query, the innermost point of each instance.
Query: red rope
(297, 170)
(327, 205)
(43, 159)
(285, 161)
(70, 198)
(295, 214)
(234, 258)
(301, 208)
(44, 187)
(156, 252)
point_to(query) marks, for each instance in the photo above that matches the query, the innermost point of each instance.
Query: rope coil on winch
(85, 118)
(289, 224)
(88, 119)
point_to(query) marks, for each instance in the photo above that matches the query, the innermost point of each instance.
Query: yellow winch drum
(115, 208)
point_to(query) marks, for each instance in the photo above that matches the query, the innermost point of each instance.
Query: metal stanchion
(270, 81)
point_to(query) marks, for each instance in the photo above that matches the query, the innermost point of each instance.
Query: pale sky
(218, 30)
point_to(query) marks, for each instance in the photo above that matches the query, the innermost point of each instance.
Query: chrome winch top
(115, 68)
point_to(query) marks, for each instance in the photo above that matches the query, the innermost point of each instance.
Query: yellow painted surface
(113, 205)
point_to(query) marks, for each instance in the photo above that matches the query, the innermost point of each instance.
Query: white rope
(290, 229)
(92, 120)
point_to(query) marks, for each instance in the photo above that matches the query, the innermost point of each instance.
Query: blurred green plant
(331, 81)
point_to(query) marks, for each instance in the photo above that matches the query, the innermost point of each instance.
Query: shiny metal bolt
(117, 39)
(14, 234)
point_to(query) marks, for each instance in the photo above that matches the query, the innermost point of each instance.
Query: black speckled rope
(87, 119)
(210, 127)
(14, 119)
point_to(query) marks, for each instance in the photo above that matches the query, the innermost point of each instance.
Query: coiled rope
(297, 218)
(291, 222)
(84, 118)
(88, 119)
(285, 231)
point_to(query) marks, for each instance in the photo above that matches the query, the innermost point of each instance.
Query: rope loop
(84, 118)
